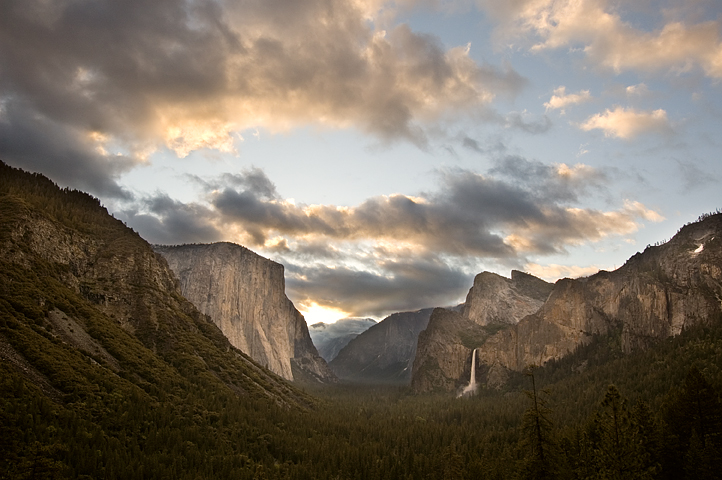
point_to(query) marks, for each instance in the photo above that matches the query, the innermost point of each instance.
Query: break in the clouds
(400, 251)
(122, 79)
(405, 284)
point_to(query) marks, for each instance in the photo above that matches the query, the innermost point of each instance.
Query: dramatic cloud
(67, 154)
(561, 100)
(397, 252)
(628, 123)
(463, 218)
(407, 284)
(607, 40)
(147, 102)
(163, 220)
(191, 75)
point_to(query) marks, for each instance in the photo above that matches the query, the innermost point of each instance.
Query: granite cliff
(385, 352)
(244, 294)
(497, 300)
(494, 303)
(89, 310)
(654, 295)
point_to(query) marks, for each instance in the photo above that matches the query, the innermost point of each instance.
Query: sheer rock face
(444, 351)
(442, 359)
(654, 295)
(89, 274)
(244, 294)
(385, 352)
(498, 300)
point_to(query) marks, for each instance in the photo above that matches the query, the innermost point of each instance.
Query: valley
(119, 361)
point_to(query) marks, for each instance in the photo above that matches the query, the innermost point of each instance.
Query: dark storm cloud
(59, 152)
(162, 220)
(397, 252)
(408, 284)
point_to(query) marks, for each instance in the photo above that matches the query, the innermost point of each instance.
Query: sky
(384, 152)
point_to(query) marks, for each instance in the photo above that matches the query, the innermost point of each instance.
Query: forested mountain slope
(95, 337)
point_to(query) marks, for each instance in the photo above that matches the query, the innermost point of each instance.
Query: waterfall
(471, 388)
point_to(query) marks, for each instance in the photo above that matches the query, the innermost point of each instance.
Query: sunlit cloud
(194, 74)
(628, 123)
(315, 313)
(561, 100)
(608, 40)
(639, 90)
(398, 252)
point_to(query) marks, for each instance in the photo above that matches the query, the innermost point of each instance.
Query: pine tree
(693, 434)
(541, 459)
(618, 442)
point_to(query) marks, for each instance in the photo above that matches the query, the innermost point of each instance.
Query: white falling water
(471, 388)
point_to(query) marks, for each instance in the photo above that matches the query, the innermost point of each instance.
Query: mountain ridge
(385, 352)
(329, 339)
(652, 296)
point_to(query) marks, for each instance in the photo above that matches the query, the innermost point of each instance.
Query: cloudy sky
(384, 152)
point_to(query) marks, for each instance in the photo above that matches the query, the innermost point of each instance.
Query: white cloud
(628, 123)
(607, 39)
(560, 100)
(639, 90)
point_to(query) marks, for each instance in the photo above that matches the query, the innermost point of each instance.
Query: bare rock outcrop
(442, 355)
(499, 300)
(656, 294)
(244, 294)
(493, 303)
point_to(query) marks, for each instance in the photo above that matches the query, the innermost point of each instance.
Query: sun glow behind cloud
(315, 313)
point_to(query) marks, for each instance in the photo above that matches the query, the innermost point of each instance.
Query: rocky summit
(655, 294)
(493, 303)
(244, 294)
